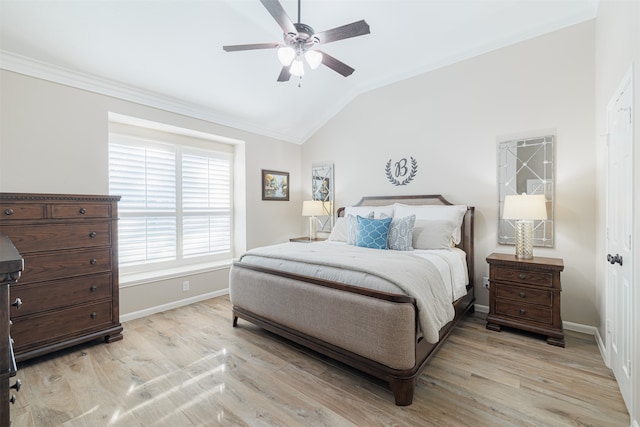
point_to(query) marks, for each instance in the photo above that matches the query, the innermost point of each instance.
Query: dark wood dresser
(70, 282)
(11, 266)
(525, 294)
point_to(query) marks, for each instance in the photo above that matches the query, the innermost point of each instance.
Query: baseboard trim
(481, 308)
(174, 304)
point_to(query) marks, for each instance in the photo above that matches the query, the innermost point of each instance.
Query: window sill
(135, 279)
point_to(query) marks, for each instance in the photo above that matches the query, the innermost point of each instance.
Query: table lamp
(524, 209)
(312, 209)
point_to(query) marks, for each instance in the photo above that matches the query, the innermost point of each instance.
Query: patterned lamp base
(524, 239)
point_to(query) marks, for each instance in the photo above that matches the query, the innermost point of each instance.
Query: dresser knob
(94, 315)
(93, 261)
(93, 288)
(523, 295)
(8, 211)
(523, 311)
(82, 211)
(13, 399)
(522, 276)
(17, 303)
(17, 385)
(93, 234)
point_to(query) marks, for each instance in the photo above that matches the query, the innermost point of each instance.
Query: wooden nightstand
(525, 294)
(307, 240)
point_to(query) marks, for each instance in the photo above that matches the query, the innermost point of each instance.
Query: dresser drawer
(525, 295)
(84, 210)
(54, 325)
(11, 212)
(40, 238)
(524, 311)
(524, 276)
(58, 265)
(47, 296)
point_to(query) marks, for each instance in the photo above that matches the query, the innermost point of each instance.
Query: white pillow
(339, 231)
(364, 211)
(432, 234)
(454, 213)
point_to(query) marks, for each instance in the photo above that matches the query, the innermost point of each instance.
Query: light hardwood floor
(189, 367)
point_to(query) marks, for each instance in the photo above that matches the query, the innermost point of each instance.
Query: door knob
(614, 258)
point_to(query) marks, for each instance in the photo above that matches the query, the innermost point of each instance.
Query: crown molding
(33, 68)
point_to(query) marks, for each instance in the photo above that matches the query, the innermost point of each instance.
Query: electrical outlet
(485, 282)
(185, 285)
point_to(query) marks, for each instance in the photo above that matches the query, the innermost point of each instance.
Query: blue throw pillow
(372, 233)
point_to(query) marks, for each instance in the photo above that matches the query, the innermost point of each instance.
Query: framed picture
(275, 185)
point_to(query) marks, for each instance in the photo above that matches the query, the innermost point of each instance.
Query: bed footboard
(368, 330)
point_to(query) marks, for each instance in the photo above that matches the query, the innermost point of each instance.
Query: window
(176, 204)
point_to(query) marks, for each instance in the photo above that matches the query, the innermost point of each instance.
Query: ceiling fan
(300, 40)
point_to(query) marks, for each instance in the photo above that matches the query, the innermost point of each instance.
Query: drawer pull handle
(93, 261)
(94, 315)
(523, 295)
(13, 399)
(8, 211)
(522, 276)
(523, 311)
(17, 303)
(93, 234)
(82, 211)
(93, 288)
(17, 385)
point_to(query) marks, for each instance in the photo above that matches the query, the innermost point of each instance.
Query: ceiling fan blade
(285, 75)
(277, 11)
(336, 65)
(236, 47)
(354, 29)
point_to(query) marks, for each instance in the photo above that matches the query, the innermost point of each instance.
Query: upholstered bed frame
(390, 347)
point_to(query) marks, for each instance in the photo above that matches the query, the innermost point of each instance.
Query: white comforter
(433, 278)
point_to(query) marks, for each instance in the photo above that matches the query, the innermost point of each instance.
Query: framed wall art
(275, 185)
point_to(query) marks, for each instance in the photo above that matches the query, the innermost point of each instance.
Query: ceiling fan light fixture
(314, 58)
(286, 54)
(297, 68)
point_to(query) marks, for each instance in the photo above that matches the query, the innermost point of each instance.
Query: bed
(365, 307)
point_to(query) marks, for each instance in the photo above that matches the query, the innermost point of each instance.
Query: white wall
(617, 48)
(449, 120)
(53, 139)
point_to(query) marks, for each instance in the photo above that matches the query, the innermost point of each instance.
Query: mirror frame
(322, 188)
(517, 175)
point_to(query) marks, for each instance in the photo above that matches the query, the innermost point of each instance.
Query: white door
(619, 232)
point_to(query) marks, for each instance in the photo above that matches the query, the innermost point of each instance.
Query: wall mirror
(527, 166)
(322, 189)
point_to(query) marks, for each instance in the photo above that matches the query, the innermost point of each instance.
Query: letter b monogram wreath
(402, 173)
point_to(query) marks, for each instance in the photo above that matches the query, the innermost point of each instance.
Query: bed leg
(403, 390)
(235, 321)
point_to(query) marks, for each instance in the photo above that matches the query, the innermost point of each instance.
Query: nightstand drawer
(524, 311)
(522, 294)
(524, 276)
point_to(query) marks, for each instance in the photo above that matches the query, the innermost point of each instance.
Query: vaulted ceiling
(169, 53)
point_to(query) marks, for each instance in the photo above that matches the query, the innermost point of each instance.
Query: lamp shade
(313, 208)
(529, 207)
